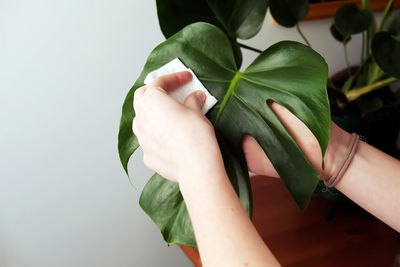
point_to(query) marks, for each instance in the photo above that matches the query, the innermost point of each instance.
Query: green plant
(204, 35)
(379, 60)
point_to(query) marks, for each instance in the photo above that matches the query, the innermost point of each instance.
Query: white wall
(65, 68)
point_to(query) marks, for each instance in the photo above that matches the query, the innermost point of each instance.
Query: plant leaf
(350, 20)
(386, 52)
(392, 24)
(338, 35)
(288, 73)
(288, 12)
(238, 18)
(386, 46)
(163, 202)
(127, 141)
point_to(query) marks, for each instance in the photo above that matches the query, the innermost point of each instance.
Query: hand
(258, 162)
(177, 139)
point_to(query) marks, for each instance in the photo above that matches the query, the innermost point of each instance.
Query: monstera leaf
(163, 202)
(288, 73)
(238, 18)
(386, 46)
(288, 12)
(350, 20)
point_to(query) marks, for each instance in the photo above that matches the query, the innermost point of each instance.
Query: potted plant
(361, 98)
(204, 35)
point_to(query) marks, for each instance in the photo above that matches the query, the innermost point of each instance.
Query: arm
(373, 182)
(372, 179)
(179, 143)
(224, 232)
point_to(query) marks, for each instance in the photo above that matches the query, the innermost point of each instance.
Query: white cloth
(182, 92)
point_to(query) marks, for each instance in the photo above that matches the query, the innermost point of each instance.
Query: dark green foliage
(289, 12)
(338, 35)
(350, 20)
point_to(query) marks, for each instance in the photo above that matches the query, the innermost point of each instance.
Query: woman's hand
(177, 139)
(258, 162)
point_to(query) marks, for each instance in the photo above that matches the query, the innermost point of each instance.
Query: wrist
(336, 151)
(202, 168)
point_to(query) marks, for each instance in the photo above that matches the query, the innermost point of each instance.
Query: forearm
(224, 233)
(372, 180)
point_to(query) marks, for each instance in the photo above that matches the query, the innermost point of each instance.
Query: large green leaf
(163, 202)
(288, 73)
(288, 12)
(350, 20)
(238, 18)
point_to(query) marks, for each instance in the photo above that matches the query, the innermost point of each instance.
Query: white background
(65, 68)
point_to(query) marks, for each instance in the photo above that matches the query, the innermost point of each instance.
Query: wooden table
(351, 238)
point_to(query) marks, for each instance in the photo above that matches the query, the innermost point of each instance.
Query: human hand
(177, 139)
(258, 162)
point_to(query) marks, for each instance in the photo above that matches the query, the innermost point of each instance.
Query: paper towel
(182, 92)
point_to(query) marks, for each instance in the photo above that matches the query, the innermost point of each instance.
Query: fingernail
(201, 96)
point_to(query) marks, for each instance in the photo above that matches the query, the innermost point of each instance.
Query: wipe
(182, 92)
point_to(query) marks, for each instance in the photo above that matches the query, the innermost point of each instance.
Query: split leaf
(288, 73)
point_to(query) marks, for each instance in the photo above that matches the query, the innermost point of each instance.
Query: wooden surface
(328, 9)
(351, 238)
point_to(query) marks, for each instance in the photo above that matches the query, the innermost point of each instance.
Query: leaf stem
(363, 48)
(354, 94)
(228, 95)
(249, 48)
(346, 58)
(332, 85)
(302, 35)
(388, 8)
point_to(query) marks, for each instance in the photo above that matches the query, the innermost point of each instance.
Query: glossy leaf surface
(288, 12)
(288, 73)
(350, 20)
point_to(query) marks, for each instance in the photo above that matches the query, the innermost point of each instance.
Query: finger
(195, 100)
(257, 161)
(138, 96)
(171, 81)
(135, 127)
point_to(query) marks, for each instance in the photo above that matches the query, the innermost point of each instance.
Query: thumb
(195, 100)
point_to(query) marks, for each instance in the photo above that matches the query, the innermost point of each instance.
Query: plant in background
(360, 98)
(379, 60)
(204, 35)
